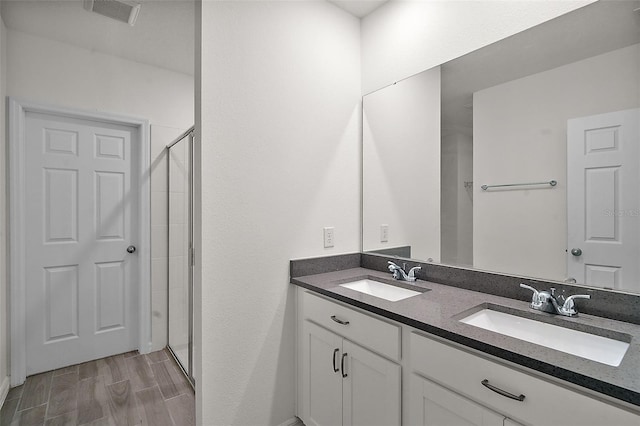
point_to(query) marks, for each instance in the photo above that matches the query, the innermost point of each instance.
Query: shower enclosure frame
(189, 136)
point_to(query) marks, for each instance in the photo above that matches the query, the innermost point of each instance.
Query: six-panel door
(81, 289)
(603, 202)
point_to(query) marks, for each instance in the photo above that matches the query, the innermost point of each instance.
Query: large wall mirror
(522, 157)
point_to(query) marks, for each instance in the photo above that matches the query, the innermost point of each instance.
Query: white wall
(403, 37)
(401, 165)
(279, 142)
(4, 314)
(520, 136)
(50, 72)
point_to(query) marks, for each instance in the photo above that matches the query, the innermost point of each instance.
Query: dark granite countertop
(437, 312)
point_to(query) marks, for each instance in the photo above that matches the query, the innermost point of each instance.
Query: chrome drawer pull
(486, 384)
(335, 351)
(339, 321)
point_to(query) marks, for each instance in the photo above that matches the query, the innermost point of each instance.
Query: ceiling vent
(120, 10)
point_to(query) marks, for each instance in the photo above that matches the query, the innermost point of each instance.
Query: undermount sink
(586, 345)
(384, 291)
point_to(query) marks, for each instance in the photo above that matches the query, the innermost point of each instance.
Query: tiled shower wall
(160, 137)
(178, 249)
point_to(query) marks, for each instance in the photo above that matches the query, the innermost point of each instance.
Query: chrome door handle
(497, 390)
(576, 252)
(344, 355)
(335, 351)
(131, 249)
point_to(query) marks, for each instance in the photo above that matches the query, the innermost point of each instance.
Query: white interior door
(81, 217)
(603, 200)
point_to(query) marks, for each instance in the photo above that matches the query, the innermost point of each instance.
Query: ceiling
(163, 36)
(359, 8)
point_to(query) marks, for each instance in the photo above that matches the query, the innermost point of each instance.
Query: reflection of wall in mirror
(403, 38)
(520, 136)
(401, 165)
(457, 209)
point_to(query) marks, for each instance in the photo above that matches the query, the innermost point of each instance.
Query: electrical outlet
(384, 233)
(328, 237)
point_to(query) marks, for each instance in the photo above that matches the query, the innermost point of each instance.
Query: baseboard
(4, 389)
(145, 348)
(294, 421)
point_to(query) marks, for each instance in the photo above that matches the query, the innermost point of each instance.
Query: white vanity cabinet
(517, 395)
(322, 378)
(351, 371)
(340, 381)
(434, 405)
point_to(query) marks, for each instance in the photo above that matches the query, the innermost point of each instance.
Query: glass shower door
(180, 252)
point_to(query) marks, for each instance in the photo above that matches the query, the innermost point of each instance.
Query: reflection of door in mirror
(520, 135)
(603, 203)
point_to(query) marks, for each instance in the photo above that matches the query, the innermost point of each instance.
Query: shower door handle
(131, 249)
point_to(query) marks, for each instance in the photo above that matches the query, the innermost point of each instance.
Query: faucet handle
(569, 307)
(535, 300)
(396, 271)
(412, 271)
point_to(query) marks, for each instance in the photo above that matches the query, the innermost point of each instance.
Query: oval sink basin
(586, 345)
(381, 290)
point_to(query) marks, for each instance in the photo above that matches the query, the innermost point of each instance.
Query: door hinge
(192, 256)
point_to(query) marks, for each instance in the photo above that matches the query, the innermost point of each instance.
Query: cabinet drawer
(375, 334)
(544, 402)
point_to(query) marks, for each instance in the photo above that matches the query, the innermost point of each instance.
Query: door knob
(131, 249)
(576, 252)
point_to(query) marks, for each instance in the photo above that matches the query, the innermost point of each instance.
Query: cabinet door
(433, 405)
(321, 384)
(371, 388)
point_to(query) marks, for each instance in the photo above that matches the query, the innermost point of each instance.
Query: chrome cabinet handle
(339, 321)
(344, 355)
(131, 249)
(576, 252)
(335, 351)
(488, 385)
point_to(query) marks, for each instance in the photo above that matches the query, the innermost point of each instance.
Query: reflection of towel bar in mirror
(551, 183)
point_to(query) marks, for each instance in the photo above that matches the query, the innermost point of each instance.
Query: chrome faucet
(547, 301)
(399, 273)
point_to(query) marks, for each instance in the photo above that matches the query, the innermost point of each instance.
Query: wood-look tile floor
(126, 389)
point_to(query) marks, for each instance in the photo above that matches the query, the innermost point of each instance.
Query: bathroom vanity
(363, 359)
